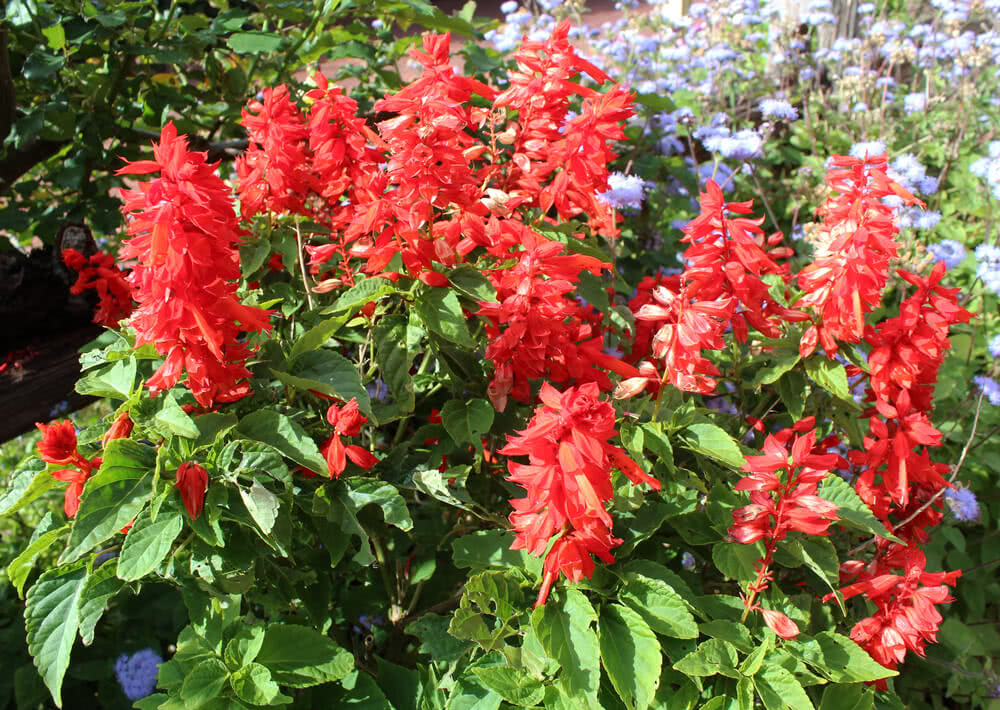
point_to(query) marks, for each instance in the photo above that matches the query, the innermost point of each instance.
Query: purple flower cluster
(137, 673)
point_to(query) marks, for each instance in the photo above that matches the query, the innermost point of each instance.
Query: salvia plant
(392, 417)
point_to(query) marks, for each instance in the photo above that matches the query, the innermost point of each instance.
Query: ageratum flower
(989, 387)
(137, 673)
(949, 251)
(778, 108)
(624, 191)
(994, 346)
(963, 504)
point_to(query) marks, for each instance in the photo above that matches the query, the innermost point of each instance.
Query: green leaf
(212, 426)
(26, 486)
(395, 348)
(631, 655)
(838, 658)
(51, 617)
(285, 435)
(101, 586)
(148, 543)
(113, 497)
(711, 657)
(660, 605)
(851, 510)
(648, 568)
(441, 313)
(753, 662)
(435, 641)
(204, 683)
(778, 689)
(820, 556)
(40, 64)
(563, 629)
(300, 656)
(488, 594)
(780, 360)
(327, 372)
(734, 633)
(491, 548)
(171, 419)
(715, 443)
(831, 376)
(262, 504)
(744, 694)
(466, 422)
(315, 337)
(513, 685)
(736, 560)
(473, 283)
(56, 36)
(365, 291)
(114, 381)
(21, 566)
(435, 484)
(253, 684)
(244, 647)
(254, 42)
(847, 697)
(792, 390)
(360, 492)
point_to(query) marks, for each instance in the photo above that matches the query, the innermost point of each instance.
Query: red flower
(120, 429)
(100, 274)
(185, 238)
(346, 421)
(780, 624)
(192, 482)
(568, 481)
(58, 443)
(76, 479)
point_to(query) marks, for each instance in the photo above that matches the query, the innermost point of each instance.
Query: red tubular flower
(76, 479)
(100, 274)
(192, 482)
(58, 443)
(346, 421)
(568, 482)
(121, 428)
(185, 238)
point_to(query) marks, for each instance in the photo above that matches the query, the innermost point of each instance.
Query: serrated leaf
(715, 443)
(851, 510)
(661, 607)
(148, 543)
(360, 492)
(299, 656)
(27, 485)
(513, 685)
(734, 633)
(831, 376)
(820, 556)
(710, 658)
(735, 560)
(262, 504)
(779, 361)
(204, 682)
(285, 435)
(315, 337)
(52, 617)
(435, 641)
(466, 422)
(171, 419)
(100, 587)
(365, 291)
(473, 283)
(244, 646)
(327, 372)
(395, 348)
(253, 684)
(212, 426)
(838, 658)
(21, 566)
(563, 629)
(778, 689)
(113, 497)
(441, 313)
(491, 548)
(631, 655)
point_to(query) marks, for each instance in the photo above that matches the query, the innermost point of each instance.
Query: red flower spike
(192, 482)
(568, 482)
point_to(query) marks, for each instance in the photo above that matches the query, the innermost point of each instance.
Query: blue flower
(871, 148)
(994, 346)
(988, 266)
(742, 145)
(687, 561)
(778, 108)
(963, 504)
(989, 387)
(137, 673)
(624, 191)
(949, 251)
(927, 220)
(509, 7)
(914, 103)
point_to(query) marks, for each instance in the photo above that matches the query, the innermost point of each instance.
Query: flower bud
(120, 429)
(192, 482)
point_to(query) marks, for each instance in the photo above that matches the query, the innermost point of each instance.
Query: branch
(17, 162)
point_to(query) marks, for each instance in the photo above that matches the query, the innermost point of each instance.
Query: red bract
(346, 421)
(851, 262)
(121, 428)
(184, 237)
(782, 487)
(58, 442)
(568, 481)
(192, 482)
(100, 274)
